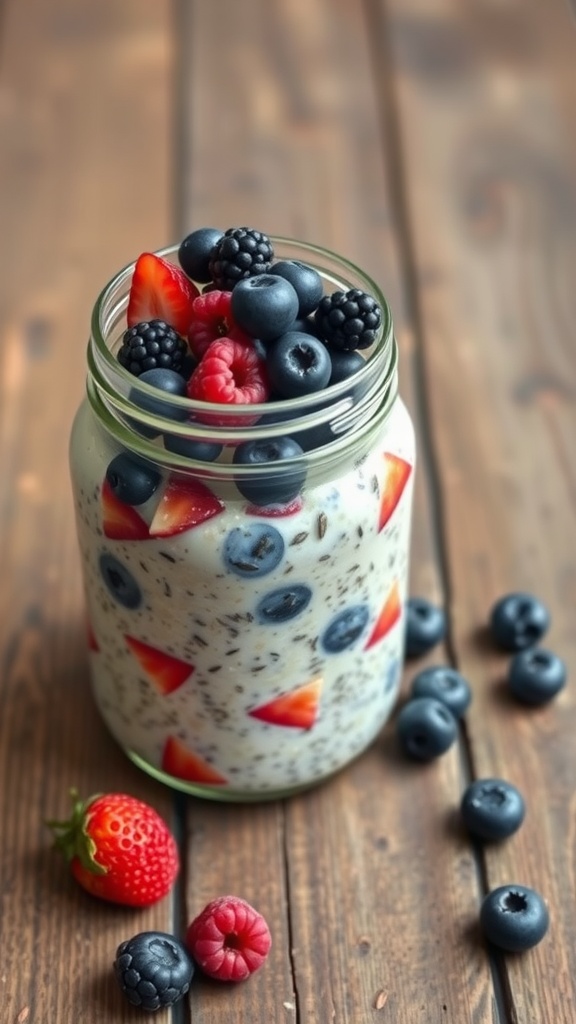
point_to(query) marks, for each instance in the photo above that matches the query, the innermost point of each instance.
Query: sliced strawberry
(159, 290)
(295, 710)
(184, 504)
(389, 616)
(92, 641)
(275, 511)
(120, 521)
(166, 672)
(397, 474)
(181, 762)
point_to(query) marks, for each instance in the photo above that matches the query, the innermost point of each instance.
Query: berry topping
(240, 253)
(182, 763)
(426, 728)
(264, 305)
(514, 918)
(345, 628)
(194, 253)
(151, 345)
(271, 487)
(348, 320)
(119, 520)
(190, 448)
(306, 282)
(446, 685)
(170, 383)
(229, 940)
(253, 550)
(535, 676)
(154, 970)
(119, 582)
(518, 621)
(159, 290)
(283, 604)
(166, 672)
(425, 626)
(185, 503)
(298, 364)
(213, 319)
(132, 480)
(231, 372)
(345, 364)
(492, 809)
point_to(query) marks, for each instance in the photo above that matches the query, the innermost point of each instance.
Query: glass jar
(246, 626)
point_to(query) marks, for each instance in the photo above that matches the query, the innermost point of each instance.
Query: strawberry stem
(71, 836)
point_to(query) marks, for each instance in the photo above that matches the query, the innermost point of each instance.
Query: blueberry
(304, 325)
(535, 676)
(253, 550)
(345, 628)
(514, 918)
(119, 581)
(270, 488)
(306, 282)
(446, 685)
(308, 439)
(298, 364)
(131, 479)
(202, 451)
(426, 728)
(518, 621)
(168, 381)
(284, 603)
(492, 809)
(264, 305)
(194, 253)
(345, 364)
(153, 969)
(425, 626)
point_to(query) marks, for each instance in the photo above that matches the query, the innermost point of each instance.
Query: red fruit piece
(389, 616)
(295, 710)
(397, 474)
(119, 849)
(181, 762)
(231, 373)
(166, 672)
(120, 521)
(275, 511)
(212, 319)
(92, 641)
(159, 290)
(229, 940)
(185, 503)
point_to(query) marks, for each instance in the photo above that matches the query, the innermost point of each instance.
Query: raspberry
(229, 940)
(348, 320)
(212, 320)
(151, 345)
(231, 372)
(240, 253)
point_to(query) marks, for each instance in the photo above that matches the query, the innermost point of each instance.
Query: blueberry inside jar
(262, 521)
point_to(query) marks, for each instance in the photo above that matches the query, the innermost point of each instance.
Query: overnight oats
(242, 470)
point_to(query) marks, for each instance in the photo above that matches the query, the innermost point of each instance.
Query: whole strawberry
(119, 849)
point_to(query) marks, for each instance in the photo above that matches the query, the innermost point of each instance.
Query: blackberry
(152, 345)
(348, 320)
(153, 969)
(240, 253)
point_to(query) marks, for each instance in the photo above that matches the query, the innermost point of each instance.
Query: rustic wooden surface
(433, 142)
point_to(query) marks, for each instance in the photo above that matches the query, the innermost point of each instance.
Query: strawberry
(185, 503)
(119, 849)
(181, 762)
(160, 291)
(389, 616)
(295, 710)
(229, 939)
(166, 672)
(120, 521)
(397, 474)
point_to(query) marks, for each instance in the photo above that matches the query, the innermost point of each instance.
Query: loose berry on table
(425, 626)
(446, 685)
(151, 345)
(195, 251)
(536, 675)
(348, 320)
(492, 809)
(306, 282)
(154, 970)
(240, 253)
(298, 364)
(426, 728)
(514, 918)
(229, 939)
(518, 621)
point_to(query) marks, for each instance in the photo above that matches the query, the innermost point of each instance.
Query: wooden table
(433, 142)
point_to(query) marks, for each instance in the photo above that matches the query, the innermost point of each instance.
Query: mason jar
(245, 622)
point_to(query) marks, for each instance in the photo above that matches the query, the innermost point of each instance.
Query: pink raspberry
(212, 319)
(229, 940)
(230, 373)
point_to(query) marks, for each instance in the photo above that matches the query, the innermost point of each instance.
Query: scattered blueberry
(425, 626)
(253, 550)
(189, 448)
(426, 728)
(298, 364)
(264, 305)
(446, 685)
(273, 486)
(536, 675)
(131, 479)
(153, 969)
(119, 581)
(284, 603)
(194, 253)
(518, 621)
(344, 365)
(514, 918)
(170, 383)
(306, 282)
(345, 628)
(492, 809)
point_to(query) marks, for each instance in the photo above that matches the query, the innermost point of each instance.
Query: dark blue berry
(253, 550)
(514, 918)
(119, 581)
(169, 383)
(194, 253)
(298, 364)
(131, 479)
(345, 364)
(426, 728)
(348, 320)
(309, 438)
(536, 675)
(240, 253)
(274, 485)
(306, 282)
(189, 448)
(345, 628)
(492, 809)
(264, 306)
(154, 970)
(446, 685)
(284, 603)
(425, 626)
(151, 345)
(518, 621)
(304, 325)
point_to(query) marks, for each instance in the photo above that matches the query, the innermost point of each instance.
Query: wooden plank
(486, 97)
(281, 129)
(84, 178)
